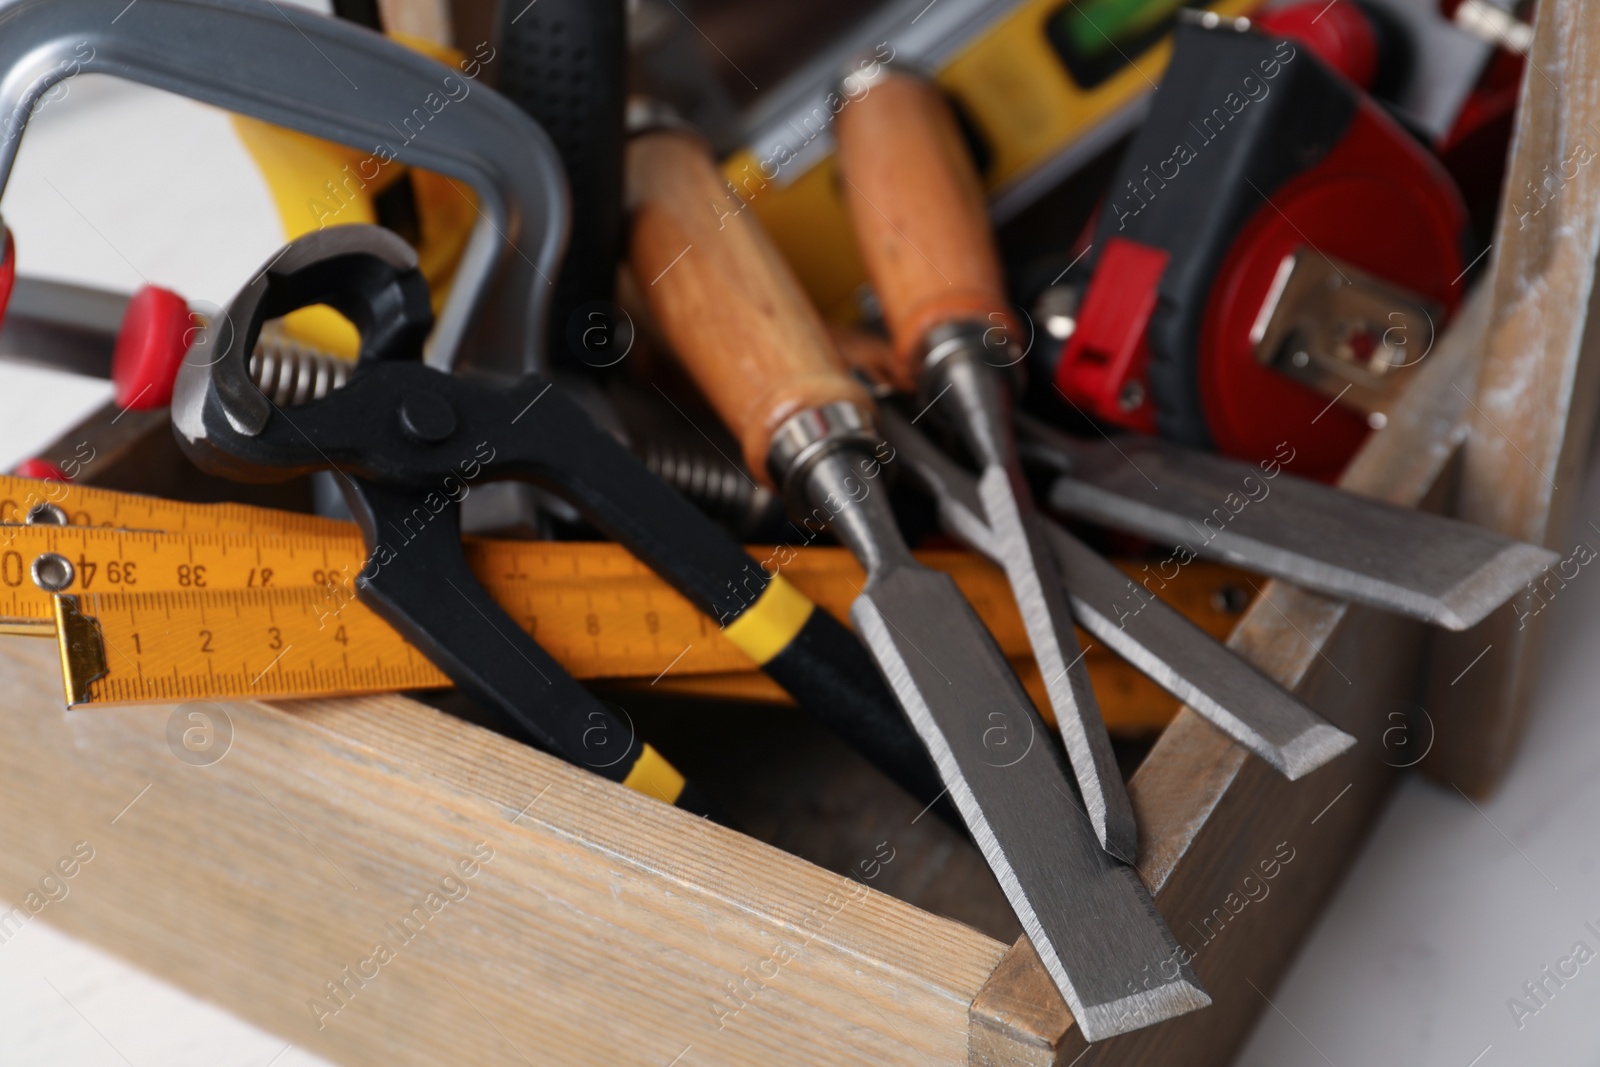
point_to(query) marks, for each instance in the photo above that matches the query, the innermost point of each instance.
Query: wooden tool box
(380, 882)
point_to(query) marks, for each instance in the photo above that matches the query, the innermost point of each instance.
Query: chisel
(1260, 517)
(734, 312)
(1170, 650)
(918, 212)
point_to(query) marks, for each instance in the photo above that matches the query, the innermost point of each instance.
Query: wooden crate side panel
(1533, 412)
(596, 925)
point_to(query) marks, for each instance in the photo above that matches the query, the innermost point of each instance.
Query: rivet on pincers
(427, 417)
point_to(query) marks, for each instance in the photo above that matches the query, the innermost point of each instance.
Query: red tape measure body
(1380, 204)
(1254, 150)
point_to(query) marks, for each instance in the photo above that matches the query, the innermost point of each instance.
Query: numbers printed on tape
(202, 615)
(126, 561)
(261, 643)
(250, 602)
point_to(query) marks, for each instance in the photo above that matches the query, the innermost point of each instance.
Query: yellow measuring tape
(87, 506)
(222, 613)
(224, 601)
(593, 607)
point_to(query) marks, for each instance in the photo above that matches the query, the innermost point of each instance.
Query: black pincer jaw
(366, 273)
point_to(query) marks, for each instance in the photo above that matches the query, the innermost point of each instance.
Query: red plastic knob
(8, 268)
(42, 469)
(150, 346)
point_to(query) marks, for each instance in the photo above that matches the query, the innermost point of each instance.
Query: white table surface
(1450, 909)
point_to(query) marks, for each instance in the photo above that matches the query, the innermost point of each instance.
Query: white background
(1448, 912)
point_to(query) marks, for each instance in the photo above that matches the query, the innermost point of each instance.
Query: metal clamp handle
(341, 82)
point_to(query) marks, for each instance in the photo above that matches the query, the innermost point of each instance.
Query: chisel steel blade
(1019, 547)
(1184, 660)
(1092, 921)
(1174, 653)
(1017, 540)
(1442, 571)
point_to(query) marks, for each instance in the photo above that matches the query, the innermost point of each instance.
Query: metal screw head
(44, 514)
(1131, 396)
(52, 572)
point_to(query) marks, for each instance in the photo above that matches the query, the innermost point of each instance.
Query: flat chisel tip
(1492, 584)
(1318, 745)
(1118, 838)
(1137, 1010)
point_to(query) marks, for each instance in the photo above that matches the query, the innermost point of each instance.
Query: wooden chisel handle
(725, 299)
(918, 212)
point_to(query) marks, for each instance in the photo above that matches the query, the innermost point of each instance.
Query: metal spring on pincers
(720, 490)
(289, 373)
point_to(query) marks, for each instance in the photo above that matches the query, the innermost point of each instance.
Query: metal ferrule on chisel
(958, 364)
(807, 437)
(988, 343)
(820, 457)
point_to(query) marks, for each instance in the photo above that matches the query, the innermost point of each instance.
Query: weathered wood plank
(597, 926)
(1533, 410)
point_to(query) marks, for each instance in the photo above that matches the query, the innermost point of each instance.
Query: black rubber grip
(693, 801)
(1397, 52)
(564, 63)
(831, 675)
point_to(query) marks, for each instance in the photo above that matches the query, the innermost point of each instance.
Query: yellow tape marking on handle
(654, 776)
(766, 627)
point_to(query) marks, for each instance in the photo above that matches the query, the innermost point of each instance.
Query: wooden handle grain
(918, 211)
(724, 298)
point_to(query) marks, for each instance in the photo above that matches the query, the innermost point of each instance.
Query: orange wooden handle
(724, 298)
(918, 211)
